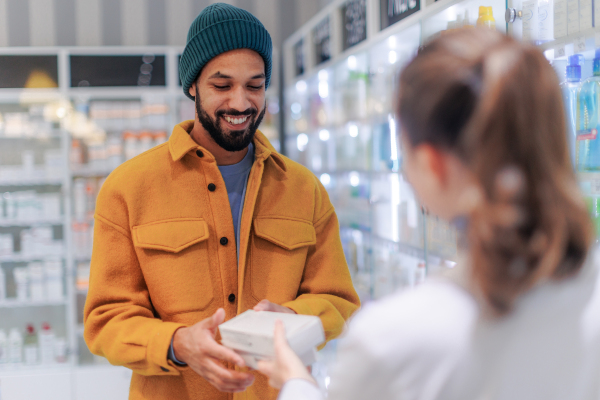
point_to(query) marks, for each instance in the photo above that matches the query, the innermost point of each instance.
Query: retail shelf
(29, 257)
(39, 181)
(42, 369)
(570, 39)
(37, 222)
(90, 172)
(14, 303)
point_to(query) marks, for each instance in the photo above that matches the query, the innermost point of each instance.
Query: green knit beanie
(217, 29)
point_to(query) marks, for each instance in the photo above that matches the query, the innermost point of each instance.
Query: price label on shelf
(579, 44)
(560, 50)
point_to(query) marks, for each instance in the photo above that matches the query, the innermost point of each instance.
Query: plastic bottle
(486, 18)
(30, 346)
(15, 346)
(569, 88)
(46, 340)
(3, 347)
(587, 121)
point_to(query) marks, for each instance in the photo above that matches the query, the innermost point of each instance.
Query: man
(208, 225)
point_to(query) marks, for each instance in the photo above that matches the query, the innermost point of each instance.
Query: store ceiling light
(324, 135)
(392, 42)
(302, 141)
(392, 57)
(354, 179)
(353, 130)
(323, 89)
(296, 108)
(352, 63)
(325, 179)
(301, 86)
(323, 75)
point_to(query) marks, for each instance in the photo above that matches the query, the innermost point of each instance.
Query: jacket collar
(181, 143)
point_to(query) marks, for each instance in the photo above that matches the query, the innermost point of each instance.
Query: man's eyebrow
(220, 75)
(259, 76)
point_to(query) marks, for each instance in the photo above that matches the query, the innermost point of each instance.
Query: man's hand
(266, 305)
(286, 365)
(196, 346)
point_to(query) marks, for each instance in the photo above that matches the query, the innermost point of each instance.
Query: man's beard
(233, 140)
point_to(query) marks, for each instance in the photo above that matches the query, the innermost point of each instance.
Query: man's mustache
(236, 113)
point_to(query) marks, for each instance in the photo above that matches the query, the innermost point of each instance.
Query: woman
(484, 140)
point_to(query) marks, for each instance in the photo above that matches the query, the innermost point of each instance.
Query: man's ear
(192, 89)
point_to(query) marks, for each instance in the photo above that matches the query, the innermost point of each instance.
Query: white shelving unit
(79, 377)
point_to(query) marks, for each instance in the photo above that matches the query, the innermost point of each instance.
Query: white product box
(35, 271)
(250, 334)
(586, 13)
(560, 18)
(530, 20)
(572, 16)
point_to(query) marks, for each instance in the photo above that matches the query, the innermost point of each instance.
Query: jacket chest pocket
(278, 256)
(174, 259)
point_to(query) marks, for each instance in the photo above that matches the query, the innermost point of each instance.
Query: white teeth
(236, 121)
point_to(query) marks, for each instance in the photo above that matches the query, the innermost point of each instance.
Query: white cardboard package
(250, 334)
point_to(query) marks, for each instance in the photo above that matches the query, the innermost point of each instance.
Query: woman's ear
(433, 161)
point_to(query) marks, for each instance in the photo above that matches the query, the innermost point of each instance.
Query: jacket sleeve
(119, 318)
(326, 289)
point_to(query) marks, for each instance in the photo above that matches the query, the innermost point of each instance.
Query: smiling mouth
(236, 120)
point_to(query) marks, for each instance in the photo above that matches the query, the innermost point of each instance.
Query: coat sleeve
(119, 320)
(326, 289)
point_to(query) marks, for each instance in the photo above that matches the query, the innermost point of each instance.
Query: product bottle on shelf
(30, 346)
(46, 344)
(2, 285)
(15, 346)
(486, 18)
(569, 88)
(3, 347)
(588, 110)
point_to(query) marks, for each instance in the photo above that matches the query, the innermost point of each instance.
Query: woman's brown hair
(497, 105)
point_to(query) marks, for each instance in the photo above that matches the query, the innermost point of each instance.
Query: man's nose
(239, 100)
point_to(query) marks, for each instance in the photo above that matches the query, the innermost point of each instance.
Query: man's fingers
(227, 376)
(219, 352)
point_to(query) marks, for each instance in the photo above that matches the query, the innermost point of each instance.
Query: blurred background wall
(132, 22)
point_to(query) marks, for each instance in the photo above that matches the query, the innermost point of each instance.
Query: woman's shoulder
(435, 315)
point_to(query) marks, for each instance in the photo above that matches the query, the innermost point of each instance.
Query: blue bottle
(587, 121)
(570, 88)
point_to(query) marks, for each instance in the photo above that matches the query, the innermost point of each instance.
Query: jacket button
(212, 187)
(224, 241)
(231, 298)
(199, 153)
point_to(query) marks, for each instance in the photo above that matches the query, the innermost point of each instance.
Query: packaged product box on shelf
(35, 272)
(21, 278)
(586, 15)
(3, 347)
(39, 241)
(2, 285)
(250, 334)
(572, 17)
(560, 18)
(53, 279)
(6, 245)
(46, 344)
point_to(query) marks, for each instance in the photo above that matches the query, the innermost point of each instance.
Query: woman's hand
(286, 365)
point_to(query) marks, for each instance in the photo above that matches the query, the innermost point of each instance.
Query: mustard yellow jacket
(159, 263)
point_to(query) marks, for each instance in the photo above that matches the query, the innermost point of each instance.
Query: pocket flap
(171, 235)
(287, 233)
